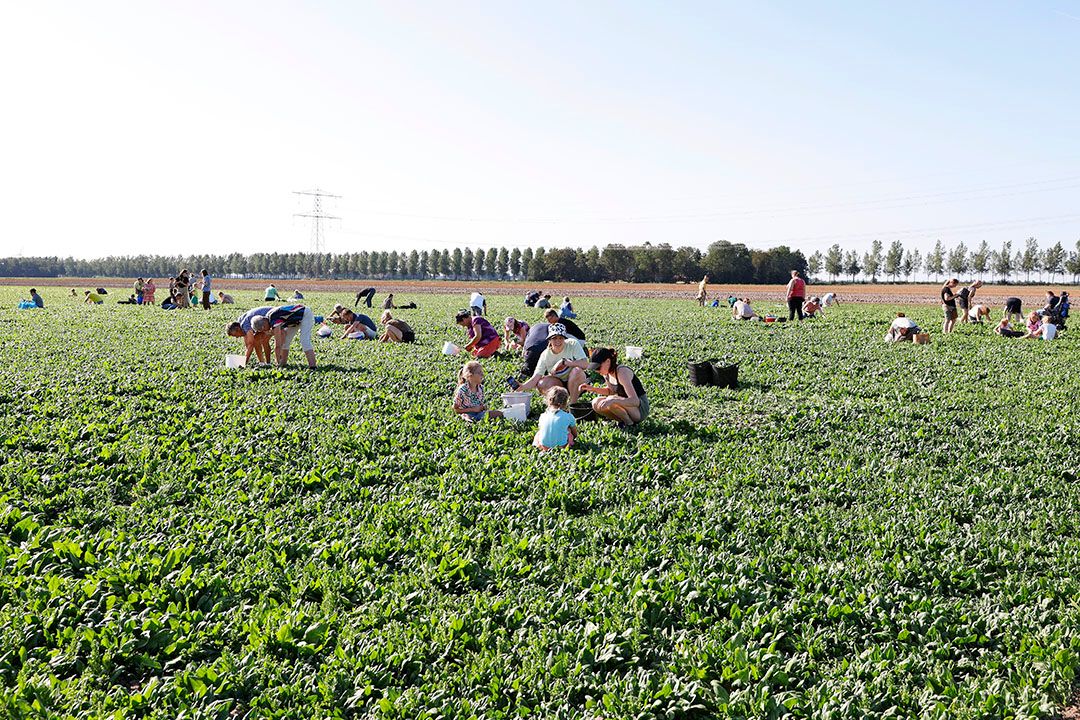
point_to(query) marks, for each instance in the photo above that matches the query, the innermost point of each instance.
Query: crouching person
(623, 397)
(562, 364)
(903, 329)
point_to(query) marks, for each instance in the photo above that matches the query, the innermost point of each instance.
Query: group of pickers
(556, 361)
(959, 305)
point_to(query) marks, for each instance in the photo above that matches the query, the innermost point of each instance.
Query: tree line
(722, 261)
(897, 263)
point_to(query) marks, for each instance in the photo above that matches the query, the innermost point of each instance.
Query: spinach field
(860, 530)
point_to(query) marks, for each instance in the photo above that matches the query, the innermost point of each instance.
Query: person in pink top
(796, 295)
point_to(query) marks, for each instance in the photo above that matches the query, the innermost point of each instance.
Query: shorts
(1013, 305)
(408, 336)
(643, 406)
(476, 311)
(950, 312)
(474, 416)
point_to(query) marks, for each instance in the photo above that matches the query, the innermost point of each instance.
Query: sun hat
(598, 356)
(556, 329)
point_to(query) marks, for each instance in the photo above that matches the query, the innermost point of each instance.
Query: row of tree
(898, 263)
(722, 261)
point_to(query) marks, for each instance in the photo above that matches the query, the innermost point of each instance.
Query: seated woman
(741, 310)
(514, 333)
(1004, 330)
(623, 397)
(396, 330)
(903, 329)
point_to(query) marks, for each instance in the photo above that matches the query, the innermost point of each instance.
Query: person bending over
(483, 338)
(288, 321)
(1013, 309)
(515, 332)
(367, 295)
(253, 327)
(903, 329)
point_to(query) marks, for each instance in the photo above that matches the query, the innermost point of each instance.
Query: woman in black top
(623, 397)
(948, 305)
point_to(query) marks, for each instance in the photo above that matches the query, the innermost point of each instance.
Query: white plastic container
(517, 413)
(516, 398)
(234, 362)
(325, 332)
(634, 353)
(450, 348)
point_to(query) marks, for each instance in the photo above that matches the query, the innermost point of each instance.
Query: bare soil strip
(882, 293)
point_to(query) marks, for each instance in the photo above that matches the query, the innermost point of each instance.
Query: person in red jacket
(796, 295)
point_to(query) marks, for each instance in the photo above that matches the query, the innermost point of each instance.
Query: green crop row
(860, 530)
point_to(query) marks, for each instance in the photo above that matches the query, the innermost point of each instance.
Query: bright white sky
(168, 127)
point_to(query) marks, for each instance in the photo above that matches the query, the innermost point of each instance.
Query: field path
(882, 293)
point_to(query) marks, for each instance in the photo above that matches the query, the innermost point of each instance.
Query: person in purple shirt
(484, 340)
(254, 328)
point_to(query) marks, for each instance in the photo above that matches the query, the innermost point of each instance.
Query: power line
(317, 216)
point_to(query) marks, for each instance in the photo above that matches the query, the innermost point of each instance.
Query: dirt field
(901, 294)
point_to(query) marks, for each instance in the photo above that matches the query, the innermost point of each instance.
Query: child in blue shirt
(469, 396)
(558, 428)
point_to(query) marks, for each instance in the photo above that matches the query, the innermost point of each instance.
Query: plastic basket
(633, 352)
(517, 413)
(450, 348)
(235, 362)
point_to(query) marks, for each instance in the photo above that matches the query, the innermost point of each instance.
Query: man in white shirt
(478, 304)
(902, 328)
(828, 299)
(562, 364)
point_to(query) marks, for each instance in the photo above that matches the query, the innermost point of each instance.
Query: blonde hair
(469, 368)
(386, 316)
(557, 398)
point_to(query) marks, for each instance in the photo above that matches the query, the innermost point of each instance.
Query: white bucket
(634, 353)
(450, 348)
(325, 332)
(235, 361)
(516, 398)
(517, 413)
